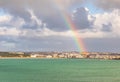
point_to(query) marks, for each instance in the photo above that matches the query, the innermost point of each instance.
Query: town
(89, 55)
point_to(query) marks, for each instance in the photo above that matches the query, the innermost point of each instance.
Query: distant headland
(73, 54)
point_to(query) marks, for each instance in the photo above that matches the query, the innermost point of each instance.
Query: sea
(59, 70)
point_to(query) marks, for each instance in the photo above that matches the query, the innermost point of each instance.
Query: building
(48, 56)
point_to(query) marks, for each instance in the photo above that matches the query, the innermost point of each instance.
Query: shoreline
(34, 58)
(51, 58)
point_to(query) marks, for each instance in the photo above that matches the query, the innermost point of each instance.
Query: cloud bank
(40, 24)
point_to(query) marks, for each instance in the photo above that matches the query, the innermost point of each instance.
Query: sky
(40, 25)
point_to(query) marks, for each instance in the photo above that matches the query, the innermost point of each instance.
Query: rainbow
(69, 23)
(79, 42)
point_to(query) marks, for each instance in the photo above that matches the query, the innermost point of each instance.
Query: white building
(34, 55)
(48, 56)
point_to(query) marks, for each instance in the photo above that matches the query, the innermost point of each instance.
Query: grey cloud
(103, 44)
(7, 38)
(56, 22)
(19, 8)
(39, 44)
(31, 25)
(107, 28)
(46, 10)
(59, 44)
(49, 14)
(41, 7)
(7, 43)
(80, 18)
(108, 4)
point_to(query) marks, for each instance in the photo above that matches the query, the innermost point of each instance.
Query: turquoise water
(59, 70)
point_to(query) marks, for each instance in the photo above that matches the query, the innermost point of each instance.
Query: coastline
(33, 58)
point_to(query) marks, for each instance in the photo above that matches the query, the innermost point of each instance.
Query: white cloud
(113, 18)
(48, 32)
(5, 18)
(34, 17)
(16, 23)
(96, 32)
(99, 20)
(45, 32)
(9, 31)
(10, 25)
